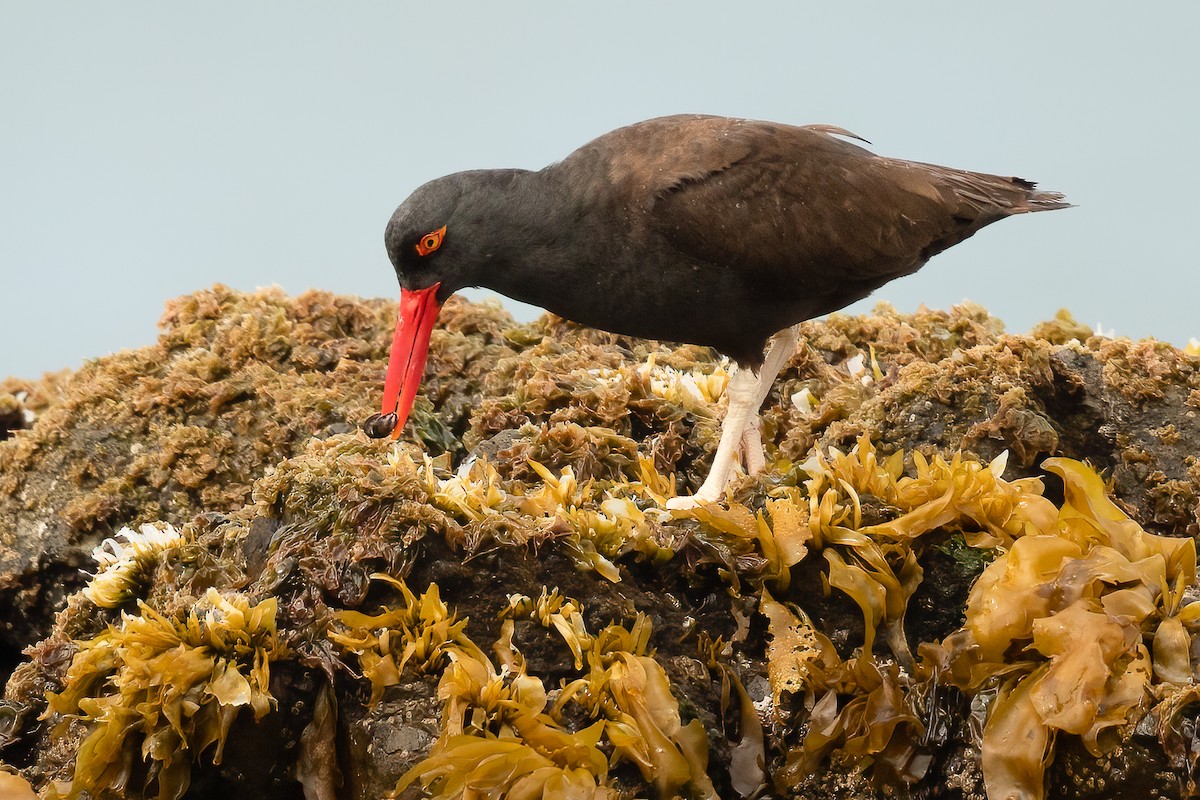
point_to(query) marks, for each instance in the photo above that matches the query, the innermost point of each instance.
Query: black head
(448, 230)
(422, 239)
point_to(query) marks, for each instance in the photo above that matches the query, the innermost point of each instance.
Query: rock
(235, 383)
(505, 580)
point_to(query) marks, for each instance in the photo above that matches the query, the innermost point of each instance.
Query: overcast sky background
(149, 150)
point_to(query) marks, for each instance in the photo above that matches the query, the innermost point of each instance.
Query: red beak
(406, 364)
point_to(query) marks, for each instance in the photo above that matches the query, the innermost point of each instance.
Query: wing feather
(783, 205)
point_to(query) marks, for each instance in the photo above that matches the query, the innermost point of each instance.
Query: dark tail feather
(1038, 201)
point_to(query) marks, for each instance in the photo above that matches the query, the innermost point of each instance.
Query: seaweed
(500, 735)
(1072, 631)
(420, 636)
(165, 688)
(814, 634)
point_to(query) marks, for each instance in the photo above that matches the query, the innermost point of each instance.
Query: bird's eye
(431, 241)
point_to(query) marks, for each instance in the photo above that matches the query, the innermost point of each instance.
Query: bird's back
(796, 221)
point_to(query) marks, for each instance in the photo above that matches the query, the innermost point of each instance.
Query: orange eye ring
(431, 241)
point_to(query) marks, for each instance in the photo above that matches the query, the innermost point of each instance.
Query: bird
(692, 228)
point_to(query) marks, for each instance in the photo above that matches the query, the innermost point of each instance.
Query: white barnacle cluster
(606, 375)
(122, 561)
(694, 390)
(399, 460)
(474, 489)
(31, 417)
(864, 371)
(857, 367)
(803, 401)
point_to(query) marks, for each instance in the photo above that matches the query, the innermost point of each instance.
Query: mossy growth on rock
(235, 383)
(502, 607)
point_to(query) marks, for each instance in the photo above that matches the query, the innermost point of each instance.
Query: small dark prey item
(377, 426)
(707, 230)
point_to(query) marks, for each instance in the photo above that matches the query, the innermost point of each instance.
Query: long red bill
(406, 364)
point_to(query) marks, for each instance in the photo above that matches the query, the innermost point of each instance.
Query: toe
(686, 503)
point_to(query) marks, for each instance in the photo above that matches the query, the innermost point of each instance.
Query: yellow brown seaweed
(621, 426)
(501, 736)
(164, 689)
(1078, 624)
(1079, 627)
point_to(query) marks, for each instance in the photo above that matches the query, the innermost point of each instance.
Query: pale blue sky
(148, 150)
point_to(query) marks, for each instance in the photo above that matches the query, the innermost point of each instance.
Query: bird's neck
(537, 241)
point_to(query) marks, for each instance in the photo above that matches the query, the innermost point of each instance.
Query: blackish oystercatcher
(700, 229)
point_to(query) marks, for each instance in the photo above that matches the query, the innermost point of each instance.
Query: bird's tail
(1037, 201)
(988, 198)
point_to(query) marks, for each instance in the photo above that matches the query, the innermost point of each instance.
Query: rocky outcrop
(502, 599)
(235, 384)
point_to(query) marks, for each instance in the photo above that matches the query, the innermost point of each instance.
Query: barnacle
(122, 565)
(696, 391)
(803, 401)
(167, 688)
(473, 491)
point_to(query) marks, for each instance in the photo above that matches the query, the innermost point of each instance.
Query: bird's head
(425, 240)
(421, 243)
(441, 239)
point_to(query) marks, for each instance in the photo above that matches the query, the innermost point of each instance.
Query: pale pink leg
(783, 345)
(740, 430)
(741, 392)
(754, 458)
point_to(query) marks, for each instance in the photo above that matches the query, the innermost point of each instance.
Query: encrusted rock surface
(549, 445)
(235, 383)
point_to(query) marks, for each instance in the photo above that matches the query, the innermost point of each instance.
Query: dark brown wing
(783, 202)
(801, 198)
(734, 229)
(644, 160)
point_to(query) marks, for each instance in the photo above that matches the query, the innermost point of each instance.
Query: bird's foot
(700, 498)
